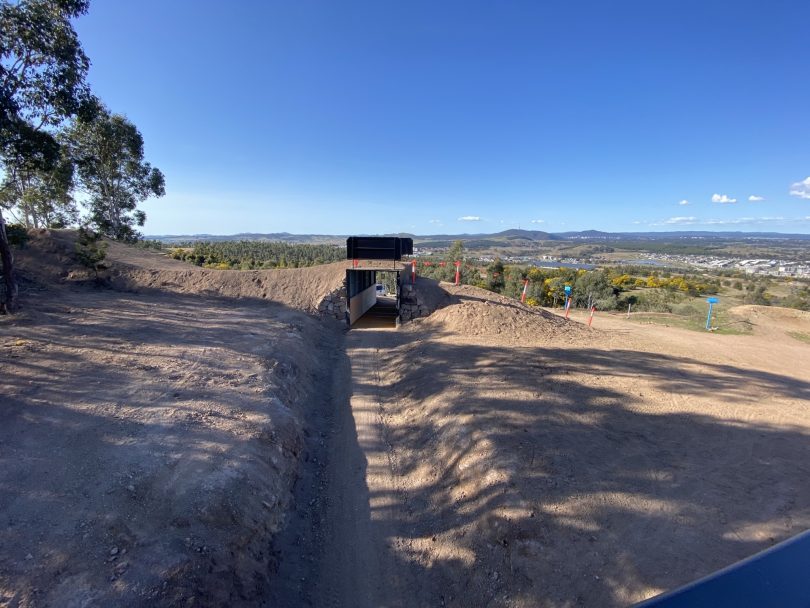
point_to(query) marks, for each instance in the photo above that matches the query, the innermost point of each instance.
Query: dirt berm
(149, 441)
(140, 270)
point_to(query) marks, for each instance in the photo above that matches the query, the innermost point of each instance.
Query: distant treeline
(255, 255)
(606, 288)
(616, 288)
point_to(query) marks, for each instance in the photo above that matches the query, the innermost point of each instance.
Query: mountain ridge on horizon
(511, 234)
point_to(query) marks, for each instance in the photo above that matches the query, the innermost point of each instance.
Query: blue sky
(428, 117)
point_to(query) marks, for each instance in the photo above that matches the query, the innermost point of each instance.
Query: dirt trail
(345, 543)
(492, 456)
(768, 347)
(360, 568)
(488, 455)
(149, 441)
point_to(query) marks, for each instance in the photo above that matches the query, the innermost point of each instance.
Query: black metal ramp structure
(378, 248)
(364, 306)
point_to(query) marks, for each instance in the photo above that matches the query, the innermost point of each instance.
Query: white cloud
(801, 189)
(683, 202)
(745, 220)
(469, 218)
(538, 221)
(723, 199)
(434, 221)
(755, 199)
(751, 221)
(739, 220)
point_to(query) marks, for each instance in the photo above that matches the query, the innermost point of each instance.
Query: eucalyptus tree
(108, 154)
(43, 72)
(40, 196)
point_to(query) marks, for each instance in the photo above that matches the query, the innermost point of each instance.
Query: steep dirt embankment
(470, 311)
(780, 324)
(510, 458)
(414, 479)
(139, 270)
(149, 441)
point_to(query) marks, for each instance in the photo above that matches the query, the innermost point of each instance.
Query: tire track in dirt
(363, 568)
(343, 544)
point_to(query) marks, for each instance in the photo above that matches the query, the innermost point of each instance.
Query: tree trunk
(10, 301)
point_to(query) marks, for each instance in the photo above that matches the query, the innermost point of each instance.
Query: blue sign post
(712, 302)
(567, 300)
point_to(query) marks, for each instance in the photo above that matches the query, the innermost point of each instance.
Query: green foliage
(90, 250)
(801, 336)
(42, 195)
(653, 300)
(42, 84)
(756, 294)
(495, 276)
(456, 252)
(442, 268)
(799, 297)
(388, 280)
(671, 247)
(253, 255)
(594, 289)
(150, 244)
(108, 153)
(42, 75)
(17, 235)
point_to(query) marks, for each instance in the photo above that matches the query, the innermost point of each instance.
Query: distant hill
(527, 235)
(284, 237)
(505, 237)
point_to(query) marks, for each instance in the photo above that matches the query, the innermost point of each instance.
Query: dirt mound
(47, 259)
(477, 312)
(785, 318)
(301, 288)
(140, 270)
(150, 440)
(506, 473)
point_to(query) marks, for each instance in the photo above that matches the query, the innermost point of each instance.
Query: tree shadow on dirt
(554, 477)
(164, 426)
(536, 476)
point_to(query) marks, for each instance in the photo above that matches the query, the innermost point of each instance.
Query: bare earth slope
(479, 313)
(488, 455)
(141, 270)
(511, 458)
(148, 441)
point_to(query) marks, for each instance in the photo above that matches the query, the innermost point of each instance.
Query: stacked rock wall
(412, 305)
(334, 304)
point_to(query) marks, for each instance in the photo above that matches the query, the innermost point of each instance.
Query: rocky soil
(173, 436)
(150, 438)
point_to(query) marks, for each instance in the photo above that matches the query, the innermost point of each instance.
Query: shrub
(90, 250)
(17, 235)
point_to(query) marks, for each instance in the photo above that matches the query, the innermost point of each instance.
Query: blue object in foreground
(712, 302)
(779, 576)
